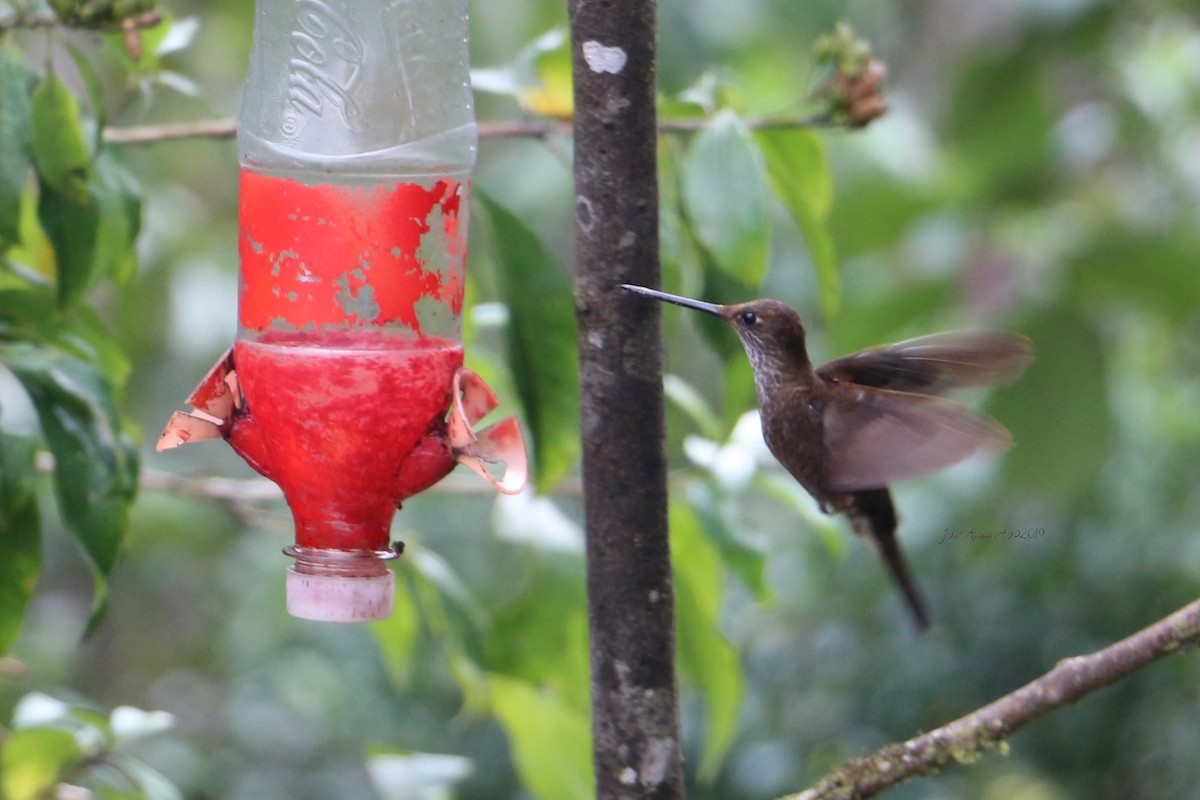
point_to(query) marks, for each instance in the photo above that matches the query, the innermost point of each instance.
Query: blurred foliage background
(1038, 170)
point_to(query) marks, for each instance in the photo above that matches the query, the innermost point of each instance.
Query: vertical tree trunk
(636, 747)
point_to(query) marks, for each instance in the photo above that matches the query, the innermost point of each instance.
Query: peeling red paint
(336, 255)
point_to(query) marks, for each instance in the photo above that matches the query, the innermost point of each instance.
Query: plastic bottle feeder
(345, 384)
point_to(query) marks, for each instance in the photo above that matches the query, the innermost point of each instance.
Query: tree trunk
(636, 747)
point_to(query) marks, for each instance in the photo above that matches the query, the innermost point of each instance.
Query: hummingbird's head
(771, 332)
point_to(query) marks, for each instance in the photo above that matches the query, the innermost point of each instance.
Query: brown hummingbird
(847, 429)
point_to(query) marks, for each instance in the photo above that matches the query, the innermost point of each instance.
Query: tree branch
(967, 738)
(498, 129)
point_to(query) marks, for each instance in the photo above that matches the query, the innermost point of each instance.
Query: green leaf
(60, 149)
(71, 222)
(551, 742)
(725, 196)
(708, 659)
(95, 94)
(1058, 411)
(541, 342)
(20, 542)
(95, 463)
(33, 761)
(29, 312)
(800, 177)
(119, 197)
(16, 84)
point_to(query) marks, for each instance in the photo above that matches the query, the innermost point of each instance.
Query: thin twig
(967, 738)
(151, 134)
(499, 129)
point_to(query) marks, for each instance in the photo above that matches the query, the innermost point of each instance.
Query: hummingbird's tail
(874, 516)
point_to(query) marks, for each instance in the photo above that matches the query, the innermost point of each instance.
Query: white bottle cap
(336, 598)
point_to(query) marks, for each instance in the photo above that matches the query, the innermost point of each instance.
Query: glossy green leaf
(551, 742)
(1058, 411)
(34, 760)
(800, 177)
(72, 224)
(59, 146)
(16, 84)
(725, 197)
(541, 342)
(706, 657)
(95, 462)
(20, 540)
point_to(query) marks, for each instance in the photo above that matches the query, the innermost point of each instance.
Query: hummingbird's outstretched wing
(932, 364)
(875, 437)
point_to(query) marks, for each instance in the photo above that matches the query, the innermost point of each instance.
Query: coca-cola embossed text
(326, 66)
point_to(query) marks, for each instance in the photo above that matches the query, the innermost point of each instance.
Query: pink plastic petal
(213, 402)
(498, 443)
(183, 428)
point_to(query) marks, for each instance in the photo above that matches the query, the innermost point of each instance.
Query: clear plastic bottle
(356, 141)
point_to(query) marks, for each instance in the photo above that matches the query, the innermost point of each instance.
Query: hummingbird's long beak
(686, 302)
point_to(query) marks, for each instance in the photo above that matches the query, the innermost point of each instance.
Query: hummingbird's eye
(749, 318)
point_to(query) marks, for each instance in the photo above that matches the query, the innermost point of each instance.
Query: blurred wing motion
(932, 364)
(875, 437)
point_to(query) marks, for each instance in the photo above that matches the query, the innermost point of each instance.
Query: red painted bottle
(356, 141)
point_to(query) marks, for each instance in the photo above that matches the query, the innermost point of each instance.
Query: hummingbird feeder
(345, 384)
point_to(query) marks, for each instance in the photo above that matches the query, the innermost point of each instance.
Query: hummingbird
(848, 429)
